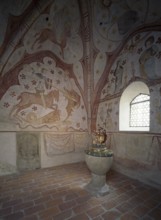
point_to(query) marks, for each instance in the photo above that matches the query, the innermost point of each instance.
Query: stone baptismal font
(99, 161)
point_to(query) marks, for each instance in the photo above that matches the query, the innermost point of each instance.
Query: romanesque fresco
(127, 35)
(122, 36)
(42, 72)
(108, 115)
(41, 99)
(58, 52)
(125, 70)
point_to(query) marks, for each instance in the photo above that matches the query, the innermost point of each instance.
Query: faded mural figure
(40, 90)
(108, 119)
(118, 73)
(26, 99)
(73, 101)
(59, 33)
(47, 34)
(45, 99)
(147, 59)
(126, 21)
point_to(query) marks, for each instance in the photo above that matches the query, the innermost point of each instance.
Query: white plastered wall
(8, 156)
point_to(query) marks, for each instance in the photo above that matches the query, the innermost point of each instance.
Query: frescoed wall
(133, 53)
(127, 48)
(44, 78)
(64, 65)
(124, 71)
(41, 74)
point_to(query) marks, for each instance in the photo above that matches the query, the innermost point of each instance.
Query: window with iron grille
(140, 111)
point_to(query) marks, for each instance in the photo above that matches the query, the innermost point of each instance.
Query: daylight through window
(140, 111)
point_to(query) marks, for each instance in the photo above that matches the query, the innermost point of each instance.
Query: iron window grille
(140, 111)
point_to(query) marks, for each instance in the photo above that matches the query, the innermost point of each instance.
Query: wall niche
(28, 151)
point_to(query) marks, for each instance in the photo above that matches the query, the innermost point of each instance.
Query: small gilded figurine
(99, 137)
(98, 147)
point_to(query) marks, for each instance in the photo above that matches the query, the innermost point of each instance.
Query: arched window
(134, 112)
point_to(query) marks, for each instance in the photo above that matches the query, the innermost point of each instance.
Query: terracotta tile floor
(57, 193)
